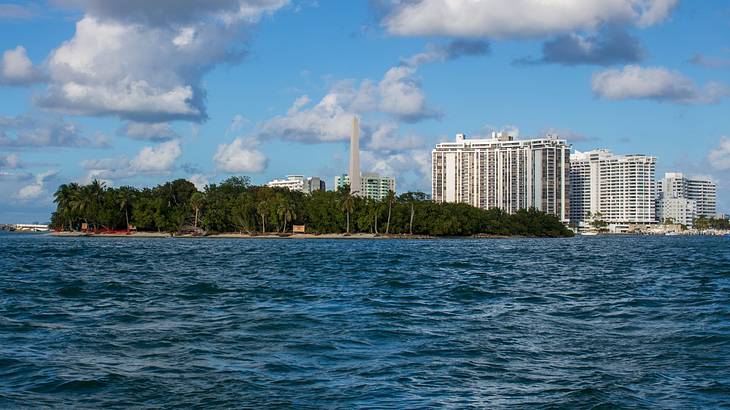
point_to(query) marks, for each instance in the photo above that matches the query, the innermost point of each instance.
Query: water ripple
(567, 323)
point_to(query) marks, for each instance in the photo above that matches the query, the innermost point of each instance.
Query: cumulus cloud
(37, 188)
(144, 61)
(29, 131)
(156, 132)
(10, 161)
(654, 83)
(328, 120)
(521, 18)
(719, 157)
(451, 51)
(387, 138)
(157, 159)
(608, 47)
(401, 95)
(200, 181)
(151, 160)
(17, 69)
(240, 156)
(398, 94)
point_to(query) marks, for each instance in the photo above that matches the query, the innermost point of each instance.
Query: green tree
(197, 200)
(347, 204)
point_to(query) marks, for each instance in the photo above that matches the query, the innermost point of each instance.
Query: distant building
(679, 197)
(374, 186)
(677, 210)
(622, 188)
(501, 172)
(298, 183)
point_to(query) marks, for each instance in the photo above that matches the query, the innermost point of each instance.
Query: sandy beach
(235, 235)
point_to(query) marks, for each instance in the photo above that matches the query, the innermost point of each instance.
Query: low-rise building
(299, 183)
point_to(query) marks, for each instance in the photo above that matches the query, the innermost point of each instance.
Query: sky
(142, 92)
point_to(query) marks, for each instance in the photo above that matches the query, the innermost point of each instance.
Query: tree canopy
(236, 205)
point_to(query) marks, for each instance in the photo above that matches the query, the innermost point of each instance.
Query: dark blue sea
(587, 322)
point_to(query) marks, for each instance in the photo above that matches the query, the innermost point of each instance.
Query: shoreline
(233, 235)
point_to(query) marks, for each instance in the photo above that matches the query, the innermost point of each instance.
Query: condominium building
(698, 194)
(502, 172)
(298, 183)
(621, 188)
(374, 186)
(677, 210)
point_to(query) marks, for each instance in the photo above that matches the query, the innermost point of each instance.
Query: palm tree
(63, 197)
(95, 193)
(410, 224)
(125, 197)
(262, 209)
(389, 199)
(347, 203)
(196, 202)
(286, 213)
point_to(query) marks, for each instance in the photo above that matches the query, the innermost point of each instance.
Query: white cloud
(30, 131)
(401, 95)
(146, 62)
(17, 69)
(654, 83)
(386, 138)
(328, 120)
(398, 94)
(518, 18)
(10, 161)
(158, 159)
(37, 188)
(241, 155)
(455, 49)
(151, 160)
(719, 157)
(157, 132)
(199, 180)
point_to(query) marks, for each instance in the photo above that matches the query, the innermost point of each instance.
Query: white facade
(700, 190)
(677, 210)
(622, 188)
(501, 172)
(374, 186)
(298, 183)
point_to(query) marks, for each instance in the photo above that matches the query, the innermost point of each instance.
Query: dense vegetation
(236, 205)
(703, 223)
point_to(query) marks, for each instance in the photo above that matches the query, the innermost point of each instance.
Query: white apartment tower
(501, 172)
(682, 199)
(621, 188)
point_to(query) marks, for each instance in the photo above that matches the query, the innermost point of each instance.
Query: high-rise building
(374, 186)
(701, 192)
(621, 188)
(355, 181)
(677, 210)
(299, 183)
(501, 172)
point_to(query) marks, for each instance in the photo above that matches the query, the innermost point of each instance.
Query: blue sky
(140, 92)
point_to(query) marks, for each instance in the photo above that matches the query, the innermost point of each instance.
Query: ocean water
(591, 322)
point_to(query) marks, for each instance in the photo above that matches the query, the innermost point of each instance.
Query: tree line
(236, 205)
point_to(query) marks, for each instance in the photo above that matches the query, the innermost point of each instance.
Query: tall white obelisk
(355, 181)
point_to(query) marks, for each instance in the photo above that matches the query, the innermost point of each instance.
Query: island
(237, 208)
